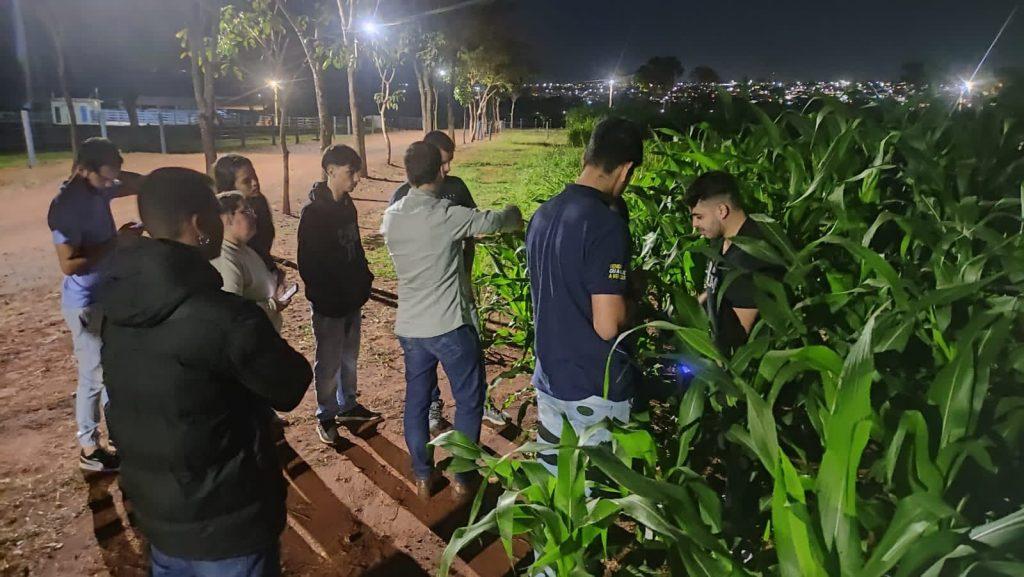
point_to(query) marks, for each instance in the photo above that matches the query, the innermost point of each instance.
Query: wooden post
(297, 129)
(163, 138)
(241, 127)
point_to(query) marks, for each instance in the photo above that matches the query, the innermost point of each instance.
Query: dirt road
(352, 510)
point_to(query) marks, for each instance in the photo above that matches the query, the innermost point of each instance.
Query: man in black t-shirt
(716, 211)
(453, 189)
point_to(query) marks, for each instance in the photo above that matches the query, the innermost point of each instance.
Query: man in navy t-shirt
(578, 249)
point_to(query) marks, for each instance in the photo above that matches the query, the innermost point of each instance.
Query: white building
(87, 111)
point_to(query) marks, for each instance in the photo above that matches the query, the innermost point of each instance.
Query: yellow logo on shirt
(616, 272)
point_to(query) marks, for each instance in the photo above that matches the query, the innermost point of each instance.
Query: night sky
(122, 45)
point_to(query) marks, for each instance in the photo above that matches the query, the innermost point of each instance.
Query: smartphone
(288, 294)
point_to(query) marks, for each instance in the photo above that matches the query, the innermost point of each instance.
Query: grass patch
(20, 159)
(380, 263)
(519, 167)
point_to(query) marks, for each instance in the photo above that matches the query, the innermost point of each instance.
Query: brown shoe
(462, 491)
(424, 487)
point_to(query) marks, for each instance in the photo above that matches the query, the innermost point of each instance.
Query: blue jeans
(334, 368)
(266, 563)
(84, 324)
(458, 352)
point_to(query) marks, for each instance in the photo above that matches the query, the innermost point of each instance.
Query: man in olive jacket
(192, 374)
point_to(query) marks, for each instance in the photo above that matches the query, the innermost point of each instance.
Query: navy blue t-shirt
(576, 247)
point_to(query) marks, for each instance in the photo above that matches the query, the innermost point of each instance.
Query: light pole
(611, 91)
(276, 85)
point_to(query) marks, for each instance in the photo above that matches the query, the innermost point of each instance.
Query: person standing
(453, 189)
(243, 271)
(333, 266)
(234, 172)
(578, 250)
(192, 371)
(435, 321)
(84, 235)
(716, 212)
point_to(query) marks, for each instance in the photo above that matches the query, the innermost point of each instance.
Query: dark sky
(824, 39)
(119, 45)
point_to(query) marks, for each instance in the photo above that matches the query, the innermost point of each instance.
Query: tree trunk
(450, 98)
(384, 131)
(202, 69)
(357, 120)
(131, 104)
(62, 77)
(286, 201)
(421, 88)
(512, 113)
(316, 68)
(465, 122)
(433, 105)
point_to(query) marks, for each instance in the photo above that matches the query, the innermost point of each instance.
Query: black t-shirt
(453, 188)
(577, 247)
(726, 329)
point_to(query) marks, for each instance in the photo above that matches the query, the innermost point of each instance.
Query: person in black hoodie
(333, 267)
(192, 372)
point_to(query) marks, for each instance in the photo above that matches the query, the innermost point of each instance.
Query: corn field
(872, 425)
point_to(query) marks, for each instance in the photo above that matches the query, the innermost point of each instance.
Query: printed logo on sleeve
(616, 272)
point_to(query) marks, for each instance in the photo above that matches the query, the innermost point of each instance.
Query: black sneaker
(328, 433)
(494, 416)
(359, 415)
(100, 460)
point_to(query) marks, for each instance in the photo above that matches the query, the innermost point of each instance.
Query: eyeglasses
(248, 211)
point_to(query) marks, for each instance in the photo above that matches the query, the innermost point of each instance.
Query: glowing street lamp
(276, 85)
(968, 86)
(442, 73)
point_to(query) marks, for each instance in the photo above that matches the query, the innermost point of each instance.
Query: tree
(347, 12)
(482, 74)
(659, 74)
(258, 27)
(200, 42)
(309, 29)
(428, 48)
(54, 25)
(387, 55)
(705, 75)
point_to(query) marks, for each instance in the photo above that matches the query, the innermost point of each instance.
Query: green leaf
(799, 553)
(916, 515)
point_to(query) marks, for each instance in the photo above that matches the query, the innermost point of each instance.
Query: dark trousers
(458, 352)
(266, 563)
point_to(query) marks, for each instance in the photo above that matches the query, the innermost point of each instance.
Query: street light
(276, 85)
(442, 73)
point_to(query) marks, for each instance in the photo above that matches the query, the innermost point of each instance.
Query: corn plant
(873, 423)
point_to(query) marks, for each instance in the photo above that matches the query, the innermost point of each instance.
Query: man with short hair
(435, 324)
(333, 266)
(716, 212)
(85, 236)
(193, 371)
(578, 250)
(453, 189)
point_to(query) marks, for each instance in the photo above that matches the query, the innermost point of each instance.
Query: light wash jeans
(85, 324)
(581, 414)
(334, 368)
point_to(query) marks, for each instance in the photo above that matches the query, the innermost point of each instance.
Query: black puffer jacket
(192, 373)
(332, 262)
